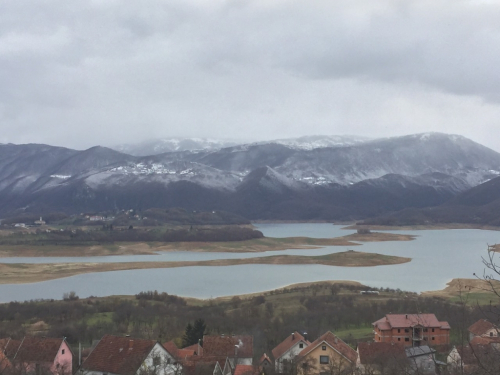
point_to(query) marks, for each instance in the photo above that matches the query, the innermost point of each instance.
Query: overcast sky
(82, 73)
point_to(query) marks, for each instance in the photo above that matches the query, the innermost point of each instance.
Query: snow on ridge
(61, 176)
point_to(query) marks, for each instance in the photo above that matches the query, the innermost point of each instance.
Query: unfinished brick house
(412, 330)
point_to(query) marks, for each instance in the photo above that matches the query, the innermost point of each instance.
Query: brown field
(20, 273)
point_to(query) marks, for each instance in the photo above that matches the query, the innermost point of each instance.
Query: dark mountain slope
(479, 205)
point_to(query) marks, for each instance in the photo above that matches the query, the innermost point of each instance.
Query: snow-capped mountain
(160, 146)
(303, 178)
(312, 142)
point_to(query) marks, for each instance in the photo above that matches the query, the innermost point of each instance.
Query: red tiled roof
(38, 349)
(481, 327)
(372, 352)
(244, 370)
(409, 320)
(118, 355)
(336, 343)
(4, 362)
(9, 347)
(287, 343)
(474, 354)
(478, 340)
(197, 349)
(226, 346)
(171, 348)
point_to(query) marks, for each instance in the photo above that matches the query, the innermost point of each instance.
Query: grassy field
(471, 291)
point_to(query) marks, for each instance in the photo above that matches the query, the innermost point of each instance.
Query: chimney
(222, 335)
(130, 344)
(406, 316)
(293, 335)
(305, 336)
(236, 350)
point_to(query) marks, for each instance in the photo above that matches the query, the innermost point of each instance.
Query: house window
(301, 345)
(379, 338)
(433, 338)
(425, 329)
(323, 347)
(156, 361)
(323, 359)
(407, 339)
(399, 330)
(491, 334)
(407, 330)
(62, 351)
(399, 338)
(433, 330)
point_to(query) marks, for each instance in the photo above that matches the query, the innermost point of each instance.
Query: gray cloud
(106, 72)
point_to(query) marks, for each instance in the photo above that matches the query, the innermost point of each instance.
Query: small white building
(287, 350)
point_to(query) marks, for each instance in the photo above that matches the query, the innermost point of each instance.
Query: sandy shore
(255, 245)
(20, 273)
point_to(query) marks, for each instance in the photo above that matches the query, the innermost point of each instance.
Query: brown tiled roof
(478, 340)
(245, 370)
(409, 320)
(118, 355)
(226, 346)
(38, 349)
(4, 362)
(171, 348)
(287, 343)
(335, 343)
(481, 327)
(375, 352)
(197, 349)
(474, 354)
(9, 347)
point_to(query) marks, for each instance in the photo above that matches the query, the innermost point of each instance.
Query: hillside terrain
(309, 178)
(479, 205)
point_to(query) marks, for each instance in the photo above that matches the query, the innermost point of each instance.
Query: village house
(466, 359)
(327, 354)
(38, 355)
(380, 357)
(286, 351)
(265, 363)
(239, 349)
(483, 328)
(115, 355)
(422, 360)
(412, 330)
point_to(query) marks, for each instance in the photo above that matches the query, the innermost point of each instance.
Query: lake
(437, 257)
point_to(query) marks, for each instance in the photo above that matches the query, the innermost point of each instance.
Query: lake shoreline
(22, 273)
(249, 246)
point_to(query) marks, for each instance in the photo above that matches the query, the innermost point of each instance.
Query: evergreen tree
(194, 333)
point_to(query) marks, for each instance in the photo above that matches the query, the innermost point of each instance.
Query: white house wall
(289, 355)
